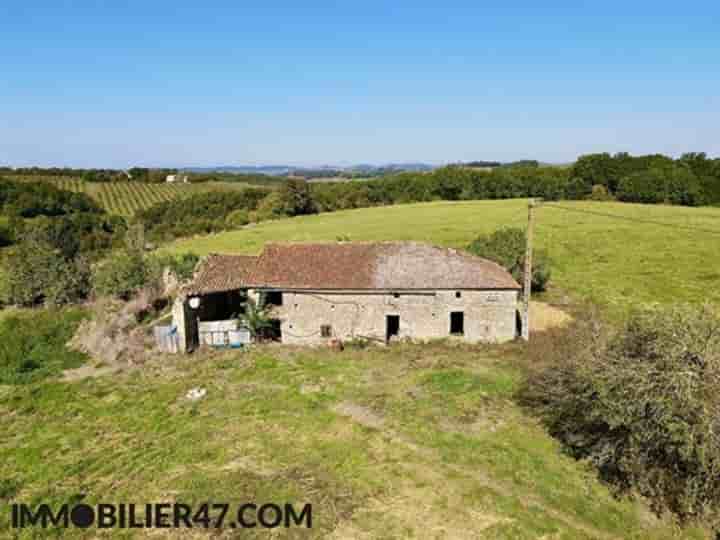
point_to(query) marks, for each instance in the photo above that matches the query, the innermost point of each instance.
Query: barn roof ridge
(366, 265)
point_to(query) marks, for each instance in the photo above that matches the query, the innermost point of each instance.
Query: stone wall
(489, 316)
(185, 322)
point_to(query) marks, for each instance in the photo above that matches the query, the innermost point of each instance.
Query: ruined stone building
(356, 290)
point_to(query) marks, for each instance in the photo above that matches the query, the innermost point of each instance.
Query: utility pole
(528, 273)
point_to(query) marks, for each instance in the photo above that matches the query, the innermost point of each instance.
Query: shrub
(197, 214)
(256, 318)
(643, 405)
(6, 235)
(507, 248)
(600, 193)
(73, 234)
(672, 184)
(121, 275)
(271, 207)
(183, 266)
(31, 199)
(237, 218)
(33, 344)
(34, 272)
(296, 198)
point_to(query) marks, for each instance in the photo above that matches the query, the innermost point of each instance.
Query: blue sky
(156, 83)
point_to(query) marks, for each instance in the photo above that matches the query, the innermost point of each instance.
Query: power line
(628, 218)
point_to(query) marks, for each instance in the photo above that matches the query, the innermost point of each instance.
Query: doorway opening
(457, 323)
(272, 332)
(392, 326)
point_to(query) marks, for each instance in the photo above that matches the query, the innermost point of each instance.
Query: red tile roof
(351, 265)
(219, 273)
(380, 265)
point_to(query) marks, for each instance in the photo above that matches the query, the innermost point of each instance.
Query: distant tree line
(691, 180)
(258, 179)
(483, 164)
(41, 171)
(447, 183)
(30, 199)
(134, 174)
(89, 175)
(494, 164)
(348, 174)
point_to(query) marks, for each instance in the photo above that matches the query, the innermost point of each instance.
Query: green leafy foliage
(256, 179)
(643, 405)
(34, 272)
(198, 214)
(121, 274)
(296, 198)
(182, 265)
(73, 234)
(256, 318)
(691, 180)
(125, 272)
(52, 234)
(445, 183)
(32, 344)
(271, 207)
(31, 199)
(670, 185)
(507, 248)
(237, 218)
(6, 233)
(600, 193)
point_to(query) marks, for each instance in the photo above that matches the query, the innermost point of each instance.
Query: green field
(610, 261)
(127, 198)
(408, 441)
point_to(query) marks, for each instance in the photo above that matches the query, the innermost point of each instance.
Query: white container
(239, 337)
(218, 326)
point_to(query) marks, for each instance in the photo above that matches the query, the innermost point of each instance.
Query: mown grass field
(407, 441)
(613, 262)
(127, 198)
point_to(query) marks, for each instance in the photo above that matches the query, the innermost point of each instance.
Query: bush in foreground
(643, 405)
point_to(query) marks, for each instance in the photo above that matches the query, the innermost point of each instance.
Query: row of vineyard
(67, 183)
(127, 198)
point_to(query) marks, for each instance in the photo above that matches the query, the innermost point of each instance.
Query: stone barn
(318, 292)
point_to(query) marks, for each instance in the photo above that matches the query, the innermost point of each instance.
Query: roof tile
(350, 265)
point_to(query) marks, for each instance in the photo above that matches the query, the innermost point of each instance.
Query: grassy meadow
(613, 262)
(407, 441)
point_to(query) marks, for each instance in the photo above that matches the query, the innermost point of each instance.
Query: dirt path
(544, 316)
(83, 372)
